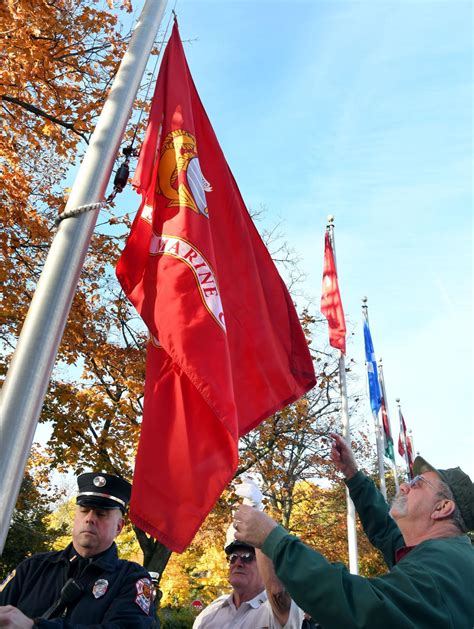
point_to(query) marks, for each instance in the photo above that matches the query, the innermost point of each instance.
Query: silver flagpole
(346, 433)
(28, 377)
(377, 424)
(384, 395)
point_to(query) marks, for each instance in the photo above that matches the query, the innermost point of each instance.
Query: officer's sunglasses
(244, 557)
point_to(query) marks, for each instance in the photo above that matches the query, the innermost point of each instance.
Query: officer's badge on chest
(100, 588)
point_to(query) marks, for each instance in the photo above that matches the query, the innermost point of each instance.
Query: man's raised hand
(342, 457)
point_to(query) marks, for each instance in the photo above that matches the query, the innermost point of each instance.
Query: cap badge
(99, 481)
(100, 588)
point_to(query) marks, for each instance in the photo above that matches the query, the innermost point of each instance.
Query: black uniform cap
(103, 491)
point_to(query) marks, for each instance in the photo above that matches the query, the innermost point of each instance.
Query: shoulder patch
(7, 580)
(144, 594)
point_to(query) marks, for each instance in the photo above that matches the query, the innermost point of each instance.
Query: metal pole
(378, 427)
(412, 443)
(28, 377)
(378, 437)
(384, 396)
(346, 433)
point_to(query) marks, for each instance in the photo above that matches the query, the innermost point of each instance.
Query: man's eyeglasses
(417, 480)
(244, 557)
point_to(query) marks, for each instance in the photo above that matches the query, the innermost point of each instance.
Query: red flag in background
(227, 347)
(411, 458)
(331, 303)
(405, 447)
(387, 434)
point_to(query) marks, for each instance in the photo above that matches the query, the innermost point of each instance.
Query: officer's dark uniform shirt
(117, 593)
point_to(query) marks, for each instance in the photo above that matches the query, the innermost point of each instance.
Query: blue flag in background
(374, 387)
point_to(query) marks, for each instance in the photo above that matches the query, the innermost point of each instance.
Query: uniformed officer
(86, 583)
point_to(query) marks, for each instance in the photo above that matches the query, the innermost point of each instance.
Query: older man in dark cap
(86, 583)
(258, 598)
(422, 538)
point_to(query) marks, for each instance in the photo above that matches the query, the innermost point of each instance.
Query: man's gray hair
(456, 517)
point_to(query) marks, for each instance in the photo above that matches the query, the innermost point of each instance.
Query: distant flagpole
(389, 450)
(374, 393)
(346, 433)
(28, 377)
(404, 445)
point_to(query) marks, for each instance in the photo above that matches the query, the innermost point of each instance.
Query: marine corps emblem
(180, 178)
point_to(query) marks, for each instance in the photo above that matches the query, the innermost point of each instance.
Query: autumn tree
(57, 60)
(318, 517)
(289, 453)
(57, 63)
(292, 445)
(31, 531)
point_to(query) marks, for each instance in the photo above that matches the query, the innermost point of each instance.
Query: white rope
(81, 209)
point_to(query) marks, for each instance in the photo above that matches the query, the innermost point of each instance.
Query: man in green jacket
(422, 538)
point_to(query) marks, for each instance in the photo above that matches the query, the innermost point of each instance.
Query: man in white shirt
(258, 597)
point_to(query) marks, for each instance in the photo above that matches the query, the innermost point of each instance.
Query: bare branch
(39, 112)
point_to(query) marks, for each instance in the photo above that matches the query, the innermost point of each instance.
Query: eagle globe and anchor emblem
(181, 182)
(180, 178)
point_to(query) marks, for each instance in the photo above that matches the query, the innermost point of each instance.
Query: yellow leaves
(63, 515)
(197, 573)
(51, 60)
(128, 546)
(301, 406)
(318, 517)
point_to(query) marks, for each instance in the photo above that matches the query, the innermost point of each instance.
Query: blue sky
(362, 110)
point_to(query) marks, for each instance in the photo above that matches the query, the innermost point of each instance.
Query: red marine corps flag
(227, 349)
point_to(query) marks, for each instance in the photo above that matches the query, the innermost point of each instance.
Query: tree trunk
(155, 558)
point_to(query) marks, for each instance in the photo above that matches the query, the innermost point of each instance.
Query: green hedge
(176, 618)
